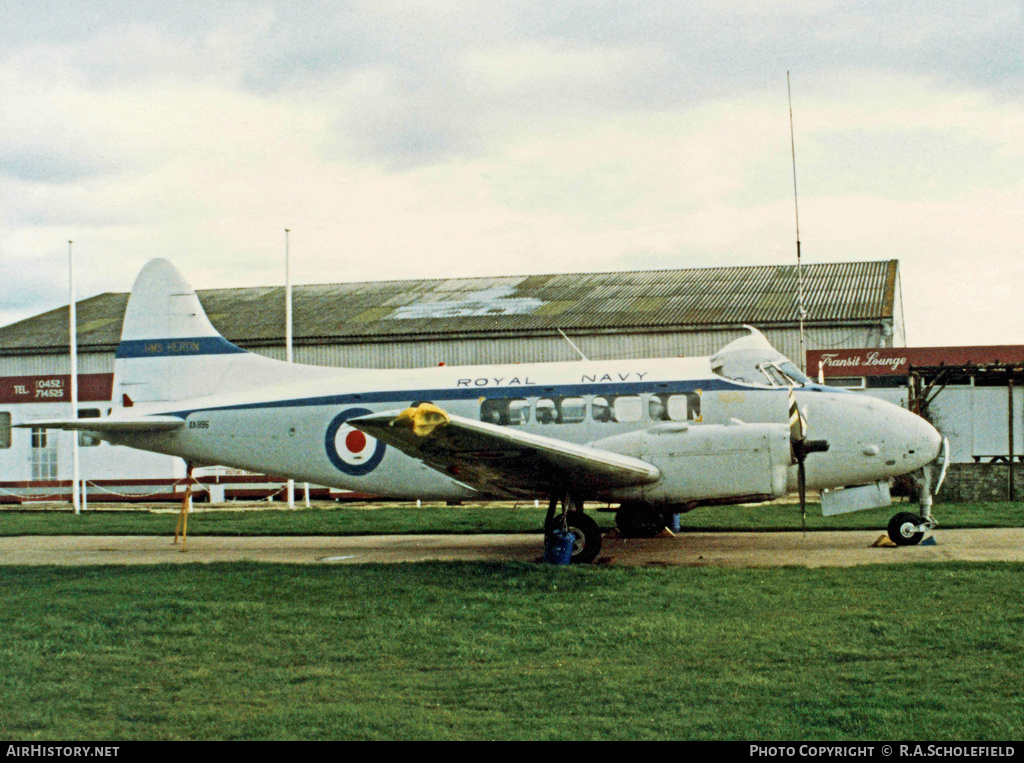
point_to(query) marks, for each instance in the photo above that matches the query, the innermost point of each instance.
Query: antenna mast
(801, 312)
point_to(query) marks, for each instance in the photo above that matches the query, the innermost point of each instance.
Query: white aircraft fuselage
(298, 429)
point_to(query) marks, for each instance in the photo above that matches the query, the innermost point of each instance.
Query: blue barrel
(673, 523)
(558, 545)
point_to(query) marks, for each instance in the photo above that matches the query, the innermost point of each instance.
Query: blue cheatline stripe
(178, 347)
(404, 397)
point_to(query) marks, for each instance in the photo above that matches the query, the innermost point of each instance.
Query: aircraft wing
(500, 459)
(114, 426)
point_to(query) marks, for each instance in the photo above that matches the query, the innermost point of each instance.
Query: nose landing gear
(908, 529)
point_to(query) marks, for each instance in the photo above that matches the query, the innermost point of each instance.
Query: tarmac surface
(757, 549)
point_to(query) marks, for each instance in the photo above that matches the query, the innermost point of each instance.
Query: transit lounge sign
(897, 361)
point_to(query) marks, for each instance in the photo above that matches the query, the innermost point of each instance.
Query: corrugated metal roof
(450, 308)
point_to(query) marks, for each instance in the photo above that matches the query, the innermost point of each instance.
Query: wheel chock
(666, 533)
(613, 533)
(929, 541)
(883, 542)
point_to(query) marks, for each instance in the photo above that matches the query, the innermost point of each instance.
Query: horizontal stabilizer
(503, 459)
(114, 426)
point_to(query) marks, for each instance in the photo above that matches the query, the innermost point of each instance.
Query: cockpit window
(789, 369)
(783, 374)
(760, 364)
(774, 374)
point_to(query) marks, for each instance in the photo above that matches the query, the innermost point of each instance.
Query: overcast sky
(448, 138)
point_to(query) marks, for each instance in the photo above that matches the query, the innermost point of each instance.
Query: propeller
(801, 446)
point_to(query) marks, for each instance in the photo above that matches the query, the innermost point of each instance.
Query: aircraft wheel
(902, 529)
(587, 543)
(639, 521)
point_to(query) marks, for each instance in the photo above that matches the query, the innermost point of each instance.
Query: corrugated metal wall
(413, 354)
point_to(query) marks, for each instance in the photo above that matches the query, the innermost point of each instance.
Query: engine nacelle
(707, 462)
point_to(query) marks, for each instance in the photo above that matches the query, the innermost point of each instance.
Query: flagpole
(288, 334)
(73, 330)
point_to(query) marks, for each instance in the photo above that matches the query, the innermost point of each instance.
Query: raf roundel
(351, 451)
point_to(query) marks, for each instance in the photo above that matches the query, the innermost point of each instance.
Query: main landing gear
(586, 533)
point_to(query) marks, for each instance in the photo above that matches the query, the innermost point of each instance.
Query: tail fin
(170, 351)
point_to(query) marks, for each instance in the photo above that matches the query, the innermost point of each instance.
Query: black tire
(587, 544)
(901, 529)
(639, 521)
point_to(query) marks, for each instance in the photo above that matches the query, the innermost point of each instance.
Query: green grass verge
(324, 519)
(511, 651)
(383, 519)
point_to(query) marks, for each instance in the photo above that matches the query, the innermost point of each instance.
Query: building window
(44, 456)
(5, 429)
(847, 382)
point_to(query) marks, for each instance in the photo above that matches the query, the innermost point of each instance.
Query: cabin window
(621, 408)
(494, 411)
(547, 411)
(5, 429)
(85, 439)
(505, 412)
(629, 408)
(656, 409)
(573, 410)
(680, 407)
(518, 412)
(561, 410)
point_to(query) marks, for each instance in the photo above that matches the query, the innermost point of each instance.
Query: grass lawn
(506, 651)
(391, 518)
(511, 651)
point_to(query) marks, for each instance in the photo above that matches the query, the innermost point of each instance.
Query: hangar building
(455, 321)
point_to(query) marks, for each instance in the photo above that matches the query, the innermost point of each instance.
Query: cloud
(408, 139)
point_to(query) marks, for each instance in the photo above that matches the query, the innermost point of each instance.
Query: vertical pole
(288, 334)
(1009, 387)
(801, 312)
(287, 300)
(73, 331)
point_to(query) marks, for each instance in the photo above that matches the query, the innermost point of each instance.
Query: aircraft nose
(921, 442)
